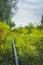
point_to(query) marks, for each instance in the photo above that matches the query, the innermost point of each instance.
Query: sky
(30, 11)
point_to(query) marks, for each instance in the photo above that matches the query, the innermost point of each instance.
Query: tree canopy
(42, 21)
(6, 7)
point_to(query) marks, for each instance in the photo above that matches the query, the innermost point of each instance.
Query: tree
(42, 21)
(6, 12)
(41, 25)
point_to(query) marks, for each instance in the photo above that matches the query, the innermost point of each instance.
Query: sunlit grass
(29, 45)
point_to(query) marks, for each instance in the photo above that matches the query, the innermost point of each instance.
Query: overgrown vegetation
(29, 45)
(28, 39)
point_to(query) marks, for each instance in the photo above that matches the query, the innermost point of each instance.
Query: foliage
(42, 21)
(6, 54)
(29, 45)
(6, 12)
(41, 25)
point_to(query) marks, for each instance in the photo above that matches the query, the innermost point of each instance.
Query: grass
(29, 46)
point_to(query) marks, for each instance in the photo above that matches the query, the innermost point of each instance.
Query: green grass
(29, 46)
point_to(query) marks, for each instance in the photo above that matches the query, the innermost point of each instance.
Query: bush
(29, 46)
(6, 53)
